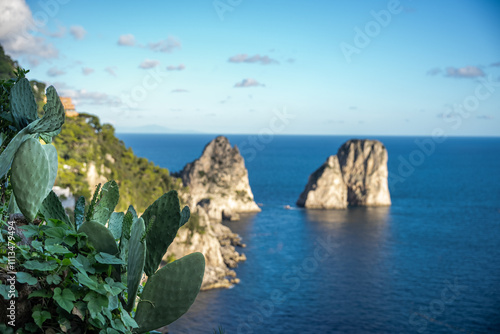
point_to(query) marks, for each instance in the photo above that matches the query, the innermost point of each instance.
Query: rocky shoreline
(219, 245)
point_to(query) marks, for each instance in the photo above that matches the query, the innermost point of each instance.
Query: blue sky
(237, 66)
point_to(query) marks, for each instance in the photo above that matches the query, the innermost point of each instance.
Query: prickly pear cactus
(23, 105)
(167, 218)
(53, 118)
(170, 292)
(30, 177)
(51, 152)
(136, 260)
(109, 200)
(100, 237)
(52, 208)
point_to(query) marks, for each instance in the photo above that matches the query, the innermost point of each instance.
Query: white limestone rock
(326, 188)
(364, 168)
(218, 182)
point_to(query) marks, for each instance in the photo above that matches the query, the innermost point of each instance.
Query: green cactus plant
(136, 261)
(51, 152)
(166, 224)
(52, 208)
(107, 203)
(100, 237)
(30, 176)
(90, 271)
(23, 104)
(170, 292)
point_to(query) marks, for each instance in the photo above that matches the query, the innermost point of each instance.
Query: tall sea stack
(218, 181)
(362, 168)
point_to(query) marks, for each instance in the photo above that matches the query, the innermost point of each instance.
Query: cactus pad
(115, 224)
(51, 152)
(100, 237)
(23, 105)
(30, 176)
(52, 208)
(54, 115)
(8, 154)
(110, 196)
(185, 214)
(136, 260)
(166, 211)
(170, 292)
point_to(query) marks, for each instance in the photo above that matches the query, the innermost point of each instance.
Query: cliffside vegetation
(7, 66)
(83, 142)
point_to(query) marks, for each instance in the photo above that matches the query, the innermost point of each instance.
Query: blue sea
(430, 263)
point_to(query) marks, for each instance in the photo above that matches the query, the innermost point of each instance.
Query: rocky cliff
(326, 188)
(216, 242)
(364, 168)
(218, 182)
(356, 176)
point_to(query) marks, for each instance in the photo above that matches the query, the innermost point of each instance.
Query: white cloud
(167, 45)
(243, 58)
(78, 32)
(248, 83)
(55, 72)
(179, 90)
(59, 33)
(176, 68)
(126, 40)
(87, 70)
(149, 63)
(464, 72)
(16, 33)
(83, 96)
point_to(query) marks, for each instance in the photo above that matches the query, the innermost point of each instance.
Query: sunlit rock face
(326, 188)
(356, 176)
(218, 181)
(364, 167)
(217, 243)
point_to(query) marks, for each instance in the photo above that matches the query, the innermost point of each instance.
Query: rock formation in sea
(364, 167)
(218, 182)
(326, 188)
(356, 176)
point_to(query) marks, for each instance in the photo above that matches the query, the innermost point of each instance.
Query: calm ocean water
(430, 263)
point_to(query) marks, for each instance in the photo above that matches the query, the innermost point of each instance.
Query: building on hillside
(69, 107)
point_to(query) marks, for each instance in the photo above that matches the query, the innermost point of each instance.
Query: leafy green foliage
(7, 66)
